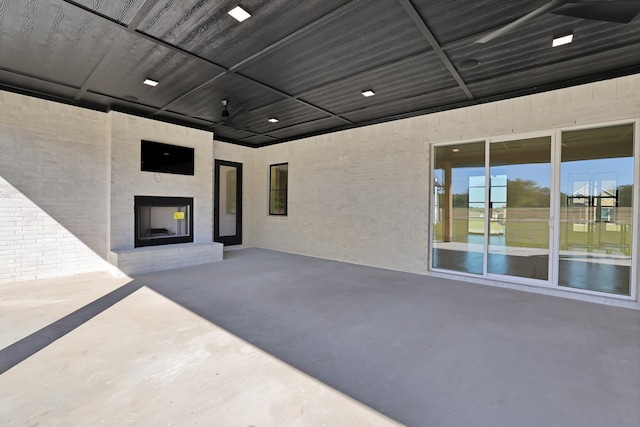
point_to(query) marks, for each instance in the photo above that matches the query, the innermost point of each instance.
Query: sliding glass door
(555, 209)
(459, 208)
(596, 209)
(519, 208)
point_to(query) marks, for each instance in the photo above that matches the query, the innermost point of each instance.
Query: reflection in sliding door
(519, 208)
(596, 209)
(458, 215)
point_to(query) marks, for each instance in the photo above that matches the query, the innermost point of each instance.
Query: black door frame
(227, 240)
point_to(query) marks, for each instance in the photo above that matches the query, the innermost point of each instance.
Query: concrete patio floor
(270, 339)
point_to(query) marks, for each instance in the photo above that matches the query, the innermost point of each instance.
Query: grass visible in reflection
(529, 228)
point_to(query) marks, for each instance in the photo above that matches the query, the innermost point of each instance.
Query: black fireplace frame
(158, 201)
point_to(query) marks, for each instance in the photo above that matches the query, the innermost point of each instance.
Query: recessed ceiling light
(559, 41)
(150, 82)
(273, 120)
(368, 93)
(239, 13)
(455, 150)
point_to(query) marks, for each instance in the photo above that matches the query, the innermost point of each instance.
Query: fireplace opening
(163, 220)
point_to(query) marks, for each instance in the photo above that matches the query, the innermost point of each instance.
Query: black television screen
(158, 157)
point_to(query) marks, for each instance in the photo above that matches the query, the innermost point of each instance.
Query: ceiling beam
(130, 28)
(145, 36)
(466, 39)
(111, 53)
(141, 14)
(426, 32)
(320, 22)
(256, 82)
(527, 91)
(403, 98)
(407, 5)
(96, 13)
(189, 92)
(286, 95)
(565, 59)
(297, 124)
(38, 78)
(238, 128)
(143, 10)
(301, 95)
(363, 72)
(273, 138)
(538, 89)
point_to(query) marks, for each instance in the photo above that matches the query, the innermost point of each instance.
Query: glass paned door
(596, 209)
(459, 205)
(554, 210)
(227, 227)
(519, 208)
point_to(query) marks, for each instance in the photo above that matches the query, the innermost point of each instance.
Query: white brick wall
(53, 183)
(67, 180)
(127, 180)
(359, 196)
(362, 195)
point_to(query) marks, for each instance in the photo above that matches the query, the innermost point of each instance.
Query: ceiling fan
(227, 118)
(609, 11)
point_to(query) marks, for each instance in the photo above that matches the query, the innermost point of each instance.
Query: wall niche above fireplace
(163, 220)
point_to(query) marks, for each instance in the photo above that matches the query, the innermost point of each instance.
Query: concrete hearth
(156, 258)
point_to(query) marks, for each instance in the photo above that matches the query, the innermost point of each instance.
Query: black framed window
(278, 184)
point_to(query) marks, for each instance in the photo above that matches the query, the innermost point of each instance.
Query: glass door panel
(459, 205)
(227, 223)
(228, 201)
(519, 208)
(596, 209)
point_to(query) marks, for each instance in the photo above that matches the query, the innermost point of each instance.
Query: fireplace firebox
(163, 220)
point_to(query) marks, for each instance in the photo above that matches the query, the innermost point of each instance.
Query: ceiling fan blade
(621, 12)
(232, 120)
(554, 4)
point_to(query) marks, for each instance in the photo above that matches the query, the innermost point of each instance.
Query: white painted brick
(127, 180)
(52, 158)
(362, 195)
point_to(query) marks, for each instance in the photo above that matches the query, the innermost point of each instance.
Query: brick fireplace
(159, 219)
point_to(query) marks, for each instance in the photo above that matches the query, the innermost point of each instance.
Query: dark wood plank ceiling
(304, 62)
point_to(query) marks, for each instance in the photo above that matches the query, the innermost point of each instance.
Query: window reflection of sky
(539, 173)
(622, 167)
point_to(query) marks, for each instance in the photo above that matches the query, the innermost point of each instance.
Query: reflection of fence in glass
(497, 204)
(595, 216)
(596, 209)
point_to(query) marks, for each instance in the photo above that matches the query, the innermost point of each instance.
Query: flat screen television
(166, 158)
